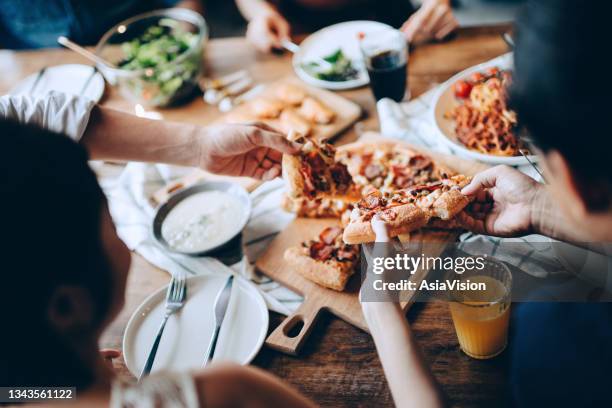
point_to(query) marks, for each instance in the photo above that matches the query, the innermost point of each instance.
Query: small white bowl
(226, 187)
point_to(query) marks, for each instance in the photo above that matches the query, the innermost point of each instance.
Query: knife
(221, 304)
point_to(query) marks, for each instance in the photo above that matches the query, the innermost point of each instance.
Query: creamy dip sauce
(203, 221)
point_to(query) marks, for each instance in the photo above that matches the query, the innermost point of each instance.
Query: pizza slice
(325, 259)
(390, 166)
(317, 208)
(314, 171)
(407, 210)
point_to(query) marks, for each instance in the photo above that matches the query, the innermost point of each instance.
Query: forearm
(250, 8)
(115, 135)
(548, 219)
(410, 381)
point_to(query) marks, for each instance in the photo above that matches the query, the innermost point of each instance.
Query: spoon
(84, 52)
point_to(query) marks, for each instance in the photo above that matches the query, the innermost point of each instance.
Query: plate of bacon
(473, 117)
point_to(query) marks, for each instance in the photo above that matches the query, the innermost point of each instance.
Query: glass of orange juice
(481, 316)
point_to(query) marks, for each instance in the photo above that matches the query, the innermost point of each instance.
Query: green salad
(341, 68)
(168, 58)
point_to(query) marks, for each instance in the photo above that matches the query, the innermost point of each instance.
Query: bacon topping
(388, 215)
(340, 174)
(329, 234)
(419, 162)
(321, 251)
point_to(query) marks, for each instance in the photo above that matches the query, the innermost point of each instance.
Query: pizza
(314, 171)
(388, 167)
(325, 259)
(317, 208)
(407, 210)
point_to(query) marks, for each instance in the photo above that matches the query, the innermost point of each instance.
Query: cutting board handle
(291, 334)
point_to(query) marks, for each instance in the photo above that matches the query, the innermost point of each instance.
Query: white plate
(444, 101)
(327, 41)
(187, 334)
(69, 78)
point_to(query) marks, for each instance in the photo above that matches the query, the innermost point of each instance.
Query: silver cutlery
(294, 48)
(223, 81)
(221, 304)
(88, 81)
(84, 52)
(214, 96)
(535, 167)
(40, 74)
(228, 102)
(175, 299)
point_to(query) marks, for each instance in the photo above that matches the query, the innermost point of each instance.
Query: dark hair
(561, 89)
(50, 204)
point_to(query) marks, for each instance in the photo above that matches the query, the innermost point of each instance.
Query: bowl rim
(162, 211)
(175, 13)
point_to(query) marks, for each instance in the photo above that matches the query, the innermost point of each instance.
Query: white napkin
(128, 198)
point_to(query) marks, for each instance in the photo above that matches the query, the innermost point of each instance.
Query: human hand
(267, 30)
(249, 150)
(434, 20)
(504, 202)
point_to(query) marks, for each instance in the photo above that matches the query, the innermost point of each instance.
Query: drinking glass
(481, 317)
(385, 54)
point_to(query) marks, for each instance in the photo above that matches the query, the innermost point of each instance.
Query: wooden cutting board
(291, 334)
(347, 112)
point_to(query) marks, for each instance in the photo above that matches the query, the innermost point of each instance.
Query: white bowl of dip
(202, 218)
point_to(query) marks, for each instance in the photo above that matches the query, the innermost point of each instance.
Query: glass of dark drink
(386, 58)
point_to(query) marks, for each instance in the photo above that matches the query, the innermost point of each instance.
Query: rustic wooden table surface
(338, 365)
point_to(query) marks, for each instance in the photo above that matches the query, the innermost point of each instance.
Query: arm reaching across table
(251, 150)
(410, 381)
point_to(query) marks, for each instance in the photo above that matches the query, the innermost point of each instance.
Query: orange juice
(481, 319)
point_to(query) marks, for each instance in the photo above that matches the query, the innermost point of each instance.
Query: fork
(175, 299)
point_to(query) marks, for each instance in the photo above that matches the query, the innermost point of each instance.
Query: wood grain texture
(338, 366)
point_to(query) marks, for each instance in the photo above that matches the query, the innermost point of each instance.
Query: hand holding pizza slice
(315, 173)
(407, 210)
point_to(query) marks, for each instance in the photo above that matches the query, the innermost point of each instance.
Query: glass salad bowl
(156, 56)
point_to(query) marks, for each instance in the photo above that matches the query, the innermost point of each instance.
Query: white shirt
(55, 111)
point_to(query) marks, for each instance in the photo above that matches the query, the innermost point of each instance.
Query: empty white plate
(327, 41)
(188, 332)
(70, 79)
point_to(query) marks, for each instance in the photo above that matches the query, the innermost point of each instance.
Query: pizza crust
(449, 204)
(292, 175)
(333, 275)
(408, 218)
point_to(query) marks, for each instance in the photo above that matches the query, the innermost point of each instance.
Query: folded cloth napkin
(128, 197)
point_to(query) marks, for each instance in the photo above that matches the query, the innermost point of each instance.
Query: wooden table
(339, 365)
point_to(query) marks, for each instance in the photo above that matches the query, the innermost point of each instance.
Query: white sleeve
(55, 111)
